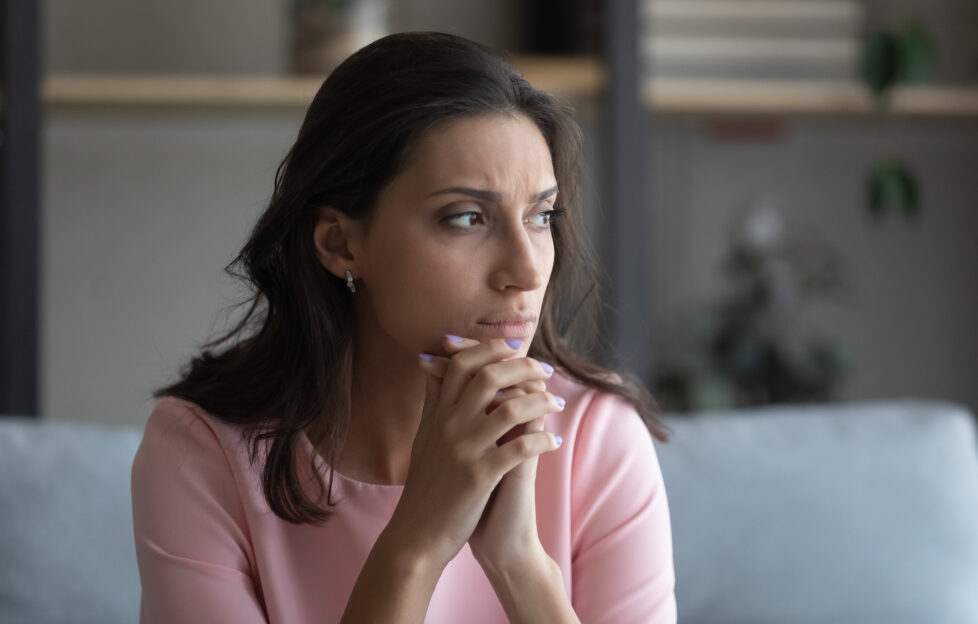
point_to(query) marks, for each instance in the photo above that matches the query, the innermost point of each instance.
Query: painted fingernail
(426, 357)
(560, 400)
(453, 338)
(559, 440)
(546, 367)
(514, 343)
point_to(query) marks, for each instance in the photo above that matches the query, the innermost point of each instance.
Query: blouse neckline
(311, 450)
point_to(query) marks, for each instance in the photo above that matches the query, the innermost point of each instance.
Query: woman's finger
(462, 366)
(520, 389)
(496, 376)
(520, 449)
(518, 411)
(454, 344)
(433, 365)
(432, 390)
(491, 365)
(437, 364)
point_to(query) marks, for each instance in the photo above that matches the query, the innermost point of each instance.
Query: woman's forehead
(493, 152)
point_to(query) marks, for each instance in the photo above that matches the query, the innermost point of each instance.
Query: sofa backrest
(66, 539)
(828, 513)
(838, 513)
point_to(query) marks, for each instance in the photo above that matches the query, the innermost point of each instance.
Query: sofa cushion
(829, 513)
(66, 542)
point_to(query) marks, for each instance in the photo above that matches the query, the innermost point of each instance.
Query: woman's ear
(336, 238)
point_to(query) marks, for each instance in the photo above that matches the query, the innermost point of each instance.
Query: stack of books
(751, 39)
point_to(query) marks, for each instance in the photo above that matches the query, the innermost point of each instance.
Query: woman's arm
(533, 592)
(395, 585)
(191, 542)
(621, 533)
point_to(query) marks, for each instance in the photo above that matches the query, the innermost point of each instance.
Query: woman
(396, 430)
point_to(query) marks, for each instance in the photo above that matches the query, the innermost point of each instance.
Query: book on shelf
(751, 39)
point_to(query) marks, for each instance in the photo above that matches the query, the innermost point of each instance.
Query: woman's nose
(521, 261)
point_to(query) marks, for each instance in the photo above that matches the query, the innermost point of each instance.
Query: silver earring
(349, 281)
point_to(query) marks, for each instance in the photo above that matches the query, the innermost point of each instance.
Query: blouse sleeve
(190, 529)
(622, 567)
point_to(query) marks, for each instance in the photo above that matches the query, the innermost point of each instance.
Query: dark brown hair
(287, 362)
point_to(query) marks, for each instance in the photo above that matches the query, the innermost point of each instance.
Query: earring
(349, 281)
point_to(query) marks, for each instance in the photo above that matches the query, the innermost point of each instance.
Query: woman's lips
(521, 329)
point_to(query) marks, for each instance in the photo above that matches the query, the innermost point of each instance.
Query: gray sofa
(838, 514)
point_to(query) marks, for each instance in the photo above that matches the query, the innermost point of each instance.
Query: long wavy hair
(286, 363)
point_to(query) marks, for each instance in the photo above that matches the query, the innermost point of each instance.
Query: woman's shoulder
(188, 505)
(178, 430)
(172, 416)
(595, 412)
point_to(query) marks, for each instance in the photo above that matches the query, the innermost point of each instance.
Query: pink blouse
(210, 549)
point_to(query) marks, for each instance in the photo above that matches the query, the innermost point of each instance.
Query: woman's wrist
(531, 589)
(408, 557)
(520, 555)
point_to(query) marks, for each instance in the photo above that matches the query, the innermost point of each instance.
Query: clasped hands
(473, 465)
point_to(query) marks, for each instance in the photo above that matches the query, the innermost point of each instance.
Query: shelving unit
(567, 77)
(708, 97)
(575, 78)
(613, 78)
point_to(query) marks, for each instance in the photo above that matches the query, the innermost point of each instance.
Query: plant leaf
(892, 186)
(880, 63)
(917, 53)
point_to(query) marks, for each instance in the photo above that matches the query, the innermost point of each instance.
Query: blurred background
(783, 193)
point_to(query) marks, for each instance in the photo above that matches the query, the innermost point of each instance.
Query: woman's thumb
(432, 391)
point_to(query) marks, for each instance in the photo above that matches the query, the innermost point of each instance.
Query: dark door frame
(19, 205)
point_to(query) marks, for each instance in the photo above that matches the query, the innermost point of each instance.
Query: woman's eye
(544, 219)
(465, 219)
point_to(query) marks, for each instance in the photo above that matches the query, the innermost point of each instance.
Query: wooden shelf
(842, 11)
(742, 97)
(570, 77)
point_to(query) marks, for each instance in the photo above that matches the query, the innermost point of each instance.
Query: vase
(325, 32)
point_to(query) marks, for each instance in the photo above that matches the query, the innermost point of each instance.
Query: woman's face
(460, 241)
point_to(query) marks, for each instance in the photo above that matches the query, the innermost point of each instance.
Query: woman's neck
(386, 402)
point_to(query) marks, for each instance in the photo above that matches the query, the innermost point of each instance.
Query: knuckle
(509, 413)
(456, 366)
(523, 446)
(488, 376)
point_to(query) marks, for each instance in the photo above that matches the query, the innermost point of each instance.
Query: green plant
(751, 345)
(893, 56)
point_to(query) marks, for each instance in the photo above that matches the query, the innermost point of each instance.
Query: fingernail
(546, 367)
(514, 343)
(560, 400)
(453, 338)
(498, 392)
(426, 357)
(559, 440)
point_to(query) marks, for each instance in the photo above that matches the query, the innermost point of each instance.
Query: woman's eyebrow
(493, 196)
